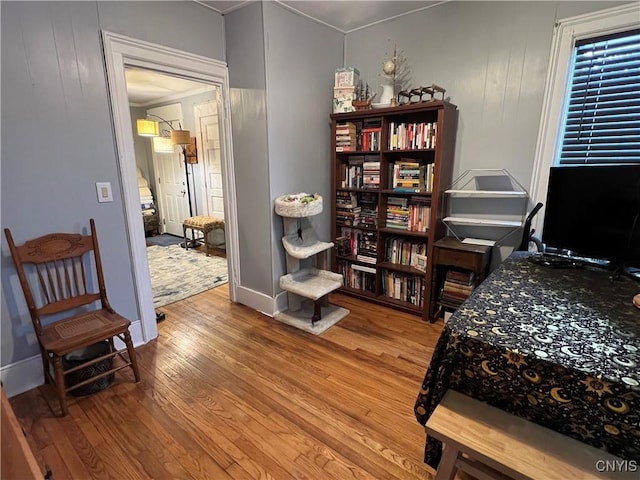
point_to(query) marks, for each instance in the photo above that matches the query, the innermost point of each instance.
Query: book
(366, 259)
(363, 268)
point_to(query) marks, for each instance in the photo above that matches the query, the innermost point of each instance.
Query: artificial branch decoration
(396, 69)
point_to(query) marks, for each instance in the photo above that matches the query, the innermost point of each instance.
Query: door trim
(121, 51)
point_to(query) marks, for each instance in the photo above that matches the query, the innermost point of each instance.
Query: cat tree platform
(311, 283)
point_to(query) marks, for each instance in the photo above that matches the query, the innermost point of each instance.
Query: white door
(171, 180)
(209, 155)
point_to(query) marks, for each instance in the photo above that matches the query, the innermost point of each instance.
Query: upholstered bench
(204, 224)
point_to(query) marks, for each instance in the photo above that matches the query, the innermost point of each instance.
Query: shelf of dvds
(390, 168)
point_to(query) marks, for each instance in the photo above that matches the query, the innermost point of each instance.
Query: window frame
(558, 82)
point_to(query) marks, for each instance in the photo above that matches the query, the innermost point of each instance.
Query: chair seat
(75, 332)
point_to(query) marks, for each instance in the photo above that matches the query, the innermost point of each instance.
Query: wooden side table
(449, 252)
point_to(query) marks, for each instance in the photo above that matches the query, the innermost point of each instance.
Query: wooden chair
(56, 273)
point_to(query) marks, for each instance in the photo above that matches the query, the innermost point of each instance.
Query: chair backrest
(55, 272)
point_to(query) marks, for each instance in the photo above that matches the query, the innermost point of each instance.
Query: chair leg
(184, 234)
(45, 364)
(132, 355)
(60, 390)
(447, 468)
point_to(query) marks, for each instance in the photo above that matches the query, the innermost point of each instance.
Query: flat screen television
(594, 212)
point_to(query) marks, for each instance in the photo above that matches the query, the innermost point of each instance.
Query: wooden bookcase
(392, 169)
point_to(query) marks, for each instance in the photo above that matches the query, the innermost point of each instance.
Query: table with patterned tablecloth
(559, 347)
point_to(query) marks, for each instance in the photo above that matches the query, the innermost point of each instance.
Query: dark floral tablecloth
(559, 347)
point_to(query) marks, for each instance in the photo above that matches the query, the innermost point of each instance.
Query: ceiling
(145, 87)
(343, 15)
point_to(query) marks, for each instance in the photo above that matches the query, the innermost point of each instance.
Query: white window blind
(602, 120)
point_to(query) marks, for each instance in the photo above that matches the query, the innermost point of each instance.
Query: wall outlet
(104, 192)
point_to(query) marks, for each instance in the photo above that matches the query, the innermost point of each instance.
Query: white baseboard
(282, 302)
(259, 301)
(24, 375)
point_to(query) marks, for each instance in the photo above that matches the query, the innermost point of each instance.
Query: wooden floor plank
(228, 393)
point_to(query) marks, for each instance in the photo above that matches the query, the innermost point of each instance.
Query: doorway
(174, 183)
(122, 52)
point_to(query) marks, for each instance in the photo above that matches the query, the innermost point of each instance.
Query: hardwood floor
(228, 393)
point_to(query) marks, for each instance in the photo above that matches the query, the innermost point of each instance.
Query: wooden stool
(203, 224)
(489, 443)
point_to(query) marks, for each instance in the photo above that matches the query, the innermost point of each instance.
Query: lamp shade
(180, 137)
(163, 145)
(147, 128)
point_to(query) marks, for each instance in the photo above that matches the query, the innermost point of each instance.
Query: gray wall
(301, 57)
(245, 58)
(57, 134)
(492, 58)
(281, 94)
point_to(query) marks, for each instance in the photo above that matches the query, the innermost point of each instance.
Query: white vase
(387, 91)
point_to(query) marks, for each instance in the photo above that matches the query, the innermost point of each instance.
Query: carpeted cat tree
(309, 286)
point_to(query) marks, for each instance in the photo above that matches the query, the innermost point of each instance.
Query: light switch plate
(104, 192)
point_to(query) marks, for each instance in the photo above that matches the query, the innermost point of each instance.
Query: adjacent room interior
(174, 187)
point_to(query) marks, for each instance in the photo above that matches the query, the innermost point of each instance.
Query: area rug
(164, 240)
(177, 273)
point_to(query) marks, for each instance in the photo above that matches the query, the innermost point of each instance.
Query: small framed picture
(419, 262)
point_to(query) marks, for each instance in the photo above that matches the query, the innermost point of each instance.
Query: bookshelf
(389, 170)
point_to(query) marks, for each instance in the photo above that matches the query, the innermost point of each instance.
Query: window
(569, 33)
(602, 116)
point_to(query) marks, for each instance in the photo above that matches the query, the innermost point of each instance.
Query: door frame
(121, 51)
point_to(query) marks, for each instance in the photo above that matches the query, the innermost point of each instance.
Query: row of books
(371, 174)
(402, 251)
(368, 201)
(406, 288)
(412, 213)
(407, 175)
(362, 244)
(402, 136)
(412, 136)
(346, 137)
(361, 172)
(369, 139)
(356, 276)
(457, 285)
(355, 209)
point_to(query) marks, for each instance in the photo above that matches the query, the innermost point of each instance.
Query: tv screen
(594, 211)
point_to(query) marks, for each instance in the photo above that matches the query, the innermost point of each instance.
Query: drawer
(458, 258)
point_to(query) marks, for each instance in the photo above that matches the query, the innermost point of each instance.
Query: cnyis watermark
(617, 466)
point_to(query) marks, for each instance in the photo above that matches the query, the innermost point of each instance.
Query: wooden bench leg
(447, 467)
(184, 233)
